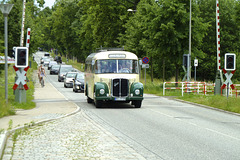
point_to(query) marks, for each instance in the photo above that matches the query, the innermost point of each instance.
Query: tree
(163, 32)
(228, 31)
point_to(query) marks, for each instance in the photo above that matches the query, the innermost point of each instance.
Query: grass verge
(231, 104)
(9, 109)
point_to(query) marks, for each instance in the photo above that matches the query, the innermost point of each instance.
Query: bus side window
(96, 67)
(85, 69)
(91, 68)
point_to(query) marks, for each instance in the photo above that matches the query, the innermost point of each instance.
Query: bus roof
(112, 55)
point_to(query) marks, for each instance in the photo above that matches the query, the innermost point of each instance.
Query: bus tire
(98, 103)
(137, 104)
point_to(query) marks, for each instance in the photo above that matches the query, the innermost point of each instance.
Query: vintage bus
(113, 76)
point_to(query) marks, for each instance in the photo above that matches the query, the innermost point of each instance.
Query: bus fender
(134, 87)
(99, 87)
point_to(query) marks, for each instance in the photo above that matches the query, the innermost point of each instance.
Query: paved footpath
(67, 133)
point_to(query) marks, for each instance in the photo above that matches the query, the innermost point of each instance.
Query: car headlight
(137, 91)
(102, 91)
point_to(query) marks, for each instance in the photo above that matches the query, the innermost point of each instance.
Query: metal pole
(23, 21)
(227, 90)
(6, 58)
(195, 75)
(145, 76)
(190, 32)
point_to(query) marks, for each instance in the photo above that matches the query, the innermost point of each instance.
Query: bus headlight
(102, 91)
(137, 91)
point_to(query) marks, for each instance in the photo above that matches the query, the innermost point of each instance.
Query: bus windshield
(126, 66)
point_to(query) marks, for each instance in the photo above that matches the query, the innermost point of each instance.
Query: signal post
(229, 70)
(21, 67)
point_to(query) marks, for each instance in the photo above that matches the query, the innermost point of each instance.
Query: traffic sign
(145, 60)
(228, 80)
(145, 65)
(195, 62)
(21, 78)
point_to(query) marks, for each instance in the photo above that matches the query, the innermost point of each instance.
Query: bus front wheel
(137, 103)
(98, 103)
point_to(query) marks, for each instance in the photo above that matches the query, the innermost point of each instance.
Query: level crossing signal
(186, 59)
(21, 57)
(230, 62)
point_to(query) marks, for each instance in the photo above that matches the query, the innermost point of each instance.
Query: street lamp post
(6, 8)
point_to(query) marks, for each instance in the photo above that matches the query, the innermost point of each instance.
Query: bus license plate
(120, 99)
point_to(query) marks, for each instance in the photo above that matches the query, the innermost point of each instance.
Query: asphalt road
(165, 129)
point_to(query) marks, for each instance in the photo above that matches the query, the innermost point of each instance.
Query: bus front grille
(120, 87)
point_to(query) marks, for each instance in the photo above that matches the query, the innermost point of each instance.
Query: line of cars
(70, 76)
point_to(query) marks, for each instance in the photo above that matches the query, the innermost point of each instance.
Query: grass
(74, 63)
(231, 104)
(9, 109)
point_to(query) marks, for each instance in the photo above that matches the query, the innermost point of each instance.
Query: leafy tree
(163, 32)
(101, 22)
(228, 31)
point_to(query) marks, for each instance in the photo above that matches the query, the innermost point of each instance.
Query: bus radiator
(120, 87)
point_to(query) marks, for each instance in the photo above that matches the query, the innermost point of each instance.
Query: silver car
(63, 70)
(51, 63)
(68, 79)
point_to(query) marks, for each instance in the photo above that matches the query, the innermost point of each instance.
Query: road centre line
(160, 106)
(193, 124)
(223, 134)
(162, 113)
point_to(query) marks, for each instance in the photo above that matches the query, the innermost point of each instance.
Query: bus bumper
(105, 98)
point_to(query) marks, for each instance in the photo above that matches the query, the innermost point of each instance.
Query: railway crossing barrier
(235, 91)
(190, 87)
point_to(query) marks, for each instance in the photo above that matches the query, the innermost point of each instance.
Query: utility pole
(218, 79)
(190, 33)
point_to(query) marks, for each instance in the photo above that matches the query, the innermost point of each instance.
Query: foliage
(158, 30)
(5, 109)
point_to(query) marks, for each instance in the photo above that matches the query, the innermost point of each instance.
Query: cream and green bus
(113, 76)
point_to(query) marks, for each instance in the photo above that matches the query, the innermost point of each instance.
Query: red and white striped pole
(23, 21)
(218, 35)
(28, 37)
(219, 78)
